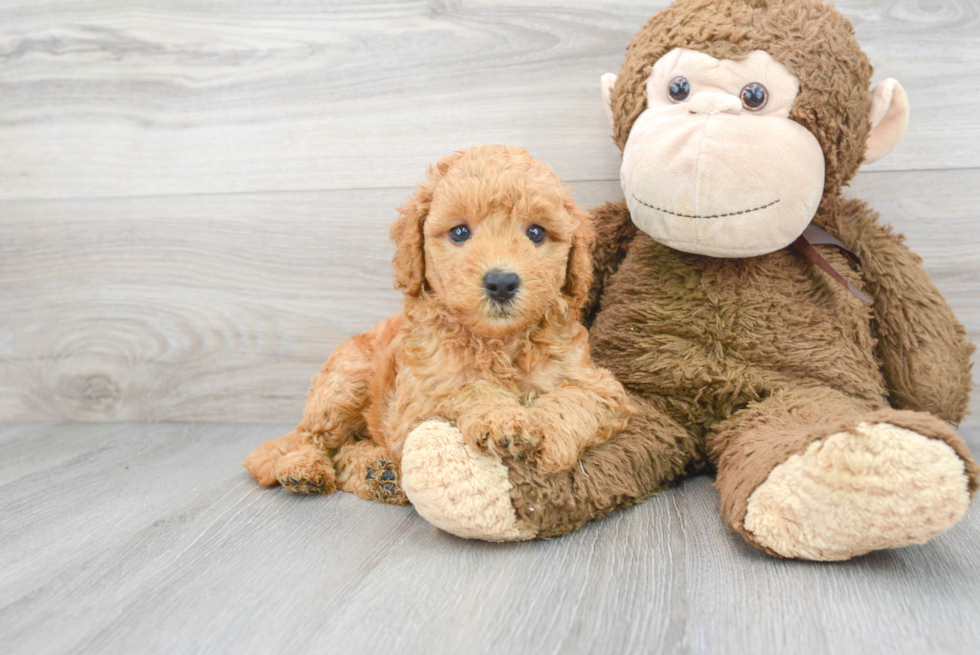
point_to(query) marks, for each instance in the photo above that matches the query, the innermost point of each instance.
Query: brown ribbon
(814, 235)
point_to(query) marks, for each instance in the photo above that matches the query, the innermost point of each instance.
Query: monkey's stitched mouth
(667, 211)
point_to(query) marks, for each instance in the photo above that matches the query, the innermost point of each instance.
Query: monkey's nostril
(501, 285)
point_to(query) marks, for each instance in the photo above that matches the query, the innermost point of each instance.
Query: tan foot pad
(878, 486)
(456, 488)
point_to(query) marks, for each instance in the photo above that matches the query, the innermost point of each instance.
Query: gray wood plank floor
(135, 538)
(194, 204)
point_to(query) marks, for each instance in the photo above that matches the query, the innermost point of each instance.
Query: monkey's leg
(814, 474)
(475, 495)
(370, 471)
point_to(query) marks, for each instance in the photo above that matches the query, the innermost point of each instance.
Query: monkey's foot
(457, 488)
(875, 486)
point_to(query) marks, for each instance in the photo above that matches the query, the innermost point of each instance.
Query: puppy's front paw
(504, 432)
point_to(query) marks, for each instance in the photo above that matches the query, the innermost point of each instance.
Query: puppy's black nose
(501, 286)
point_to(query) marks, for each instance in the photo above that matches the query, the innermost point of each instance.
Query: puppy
(494, 260)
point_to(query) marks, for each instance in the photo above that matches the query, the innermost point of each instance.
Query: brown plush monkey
(814, 366)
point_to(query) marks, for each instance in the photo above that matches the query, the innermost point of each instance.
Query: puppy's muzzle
(501, 285)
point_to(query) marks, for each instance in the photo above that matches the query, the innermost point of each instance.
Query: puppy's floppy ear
(578, 278)
(407, 231)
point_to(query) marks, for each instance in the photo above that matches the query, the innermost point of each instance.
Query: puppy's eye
(754, 96)
(459, 234)
(536, 234)
(678, 89)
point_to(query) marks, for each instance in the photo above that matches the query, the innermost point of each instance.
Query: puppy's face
(497, 242)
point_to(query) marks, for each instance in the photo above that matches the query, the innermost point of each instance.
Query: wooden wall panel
(222, 307)
(106, 98)
(194, 197)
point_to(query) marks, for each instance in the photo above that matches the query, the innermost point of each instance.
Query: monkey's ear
(608, 81)
(889, 116)
(578, 277)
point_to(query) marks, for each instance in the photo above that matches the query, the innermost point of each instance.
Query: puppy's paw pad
(305, 472)
(383, 484)
(304, 486)
(514, 442)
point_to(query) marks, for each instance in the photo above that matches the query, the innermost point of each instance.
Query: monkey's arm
(923, 348)
(614, 232)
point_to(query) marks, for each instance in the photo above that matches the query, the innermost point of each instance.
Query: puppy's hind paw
(301, 486)
(381, 481)
(306, 471)
(369, 472)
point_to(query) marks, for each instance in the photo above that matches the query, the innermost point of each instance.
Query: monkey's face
(714, 165)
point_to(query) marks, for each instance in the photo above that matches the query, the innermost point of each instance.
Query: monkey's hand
(924, 351)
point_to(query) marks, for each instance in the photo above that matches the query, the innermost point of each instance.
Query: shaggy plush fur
(516, 377)
(740, 365)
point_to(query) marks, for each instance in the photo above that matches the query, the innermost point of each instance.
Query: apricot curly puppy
(494, 260)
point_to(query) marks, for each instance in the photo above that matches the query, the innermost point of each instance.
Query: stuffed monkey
(767, 328)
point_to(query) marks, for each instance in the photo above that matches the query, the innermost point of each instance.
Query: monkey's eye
(536, 234)
(754, 96)
(459, 234)
(679, 89)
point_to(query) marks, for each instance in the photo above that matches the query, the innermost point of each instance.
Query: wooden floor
(151, 538)
(194, 203)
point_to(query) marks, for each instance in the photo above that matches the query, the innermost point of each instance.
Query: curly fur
(516, 378)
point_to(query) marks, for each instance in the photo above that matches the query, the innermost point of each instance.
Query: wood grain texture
(123, 538)
(218, 297)
(221, 308)
(108, 98)
(173, 308)
(194, 205)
